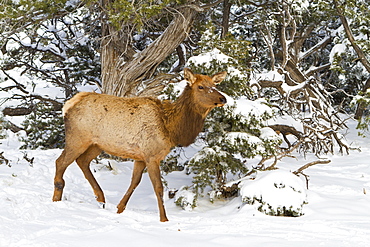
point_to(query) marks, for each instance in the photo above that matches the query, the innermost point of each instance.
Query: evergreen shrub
(44, 128)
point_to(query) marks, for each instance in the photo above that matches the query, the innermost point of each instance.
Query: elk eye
(200, 87)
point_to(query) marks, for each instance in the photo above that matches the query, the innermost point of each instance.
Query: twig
(280, 155)
(29, 160)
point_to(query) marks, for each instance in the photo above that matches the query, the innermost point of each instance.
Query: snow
(248, 107)
(185, 198)
(205, 152)
(206, 58)
(234, 136)
(336, 214)
(338, 49)
(270, 75)
(269, 134)
(275, 190)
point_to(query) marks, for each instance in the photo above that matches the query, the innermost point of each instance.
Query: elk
(140, 128)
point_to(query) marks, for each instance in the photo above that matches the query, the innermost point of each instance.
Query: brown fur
(142, 128)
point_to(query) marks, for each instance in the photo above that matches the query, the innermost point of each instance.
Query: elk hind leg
(137, 173)
(83, 162)
(65, 159)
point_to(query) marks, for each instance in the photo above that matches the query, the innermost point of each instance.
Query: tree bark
(225, 18)
(124, 72)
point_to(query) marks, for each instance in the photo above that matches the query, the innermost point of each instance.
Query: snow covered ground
(337, 213)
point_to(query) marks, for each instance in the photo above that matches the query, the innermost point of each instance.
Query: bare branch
(312, 71)
(274, 84)
(311, 164)
(19, 86)
(279, 156)
(181, 55)
(208, 6)
(324, 42)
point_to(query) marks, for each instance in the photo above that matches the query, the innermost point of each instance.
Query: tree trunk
(225, 18)
(125, 73)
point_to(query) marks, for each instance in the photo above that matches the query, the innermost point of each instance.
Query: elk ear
(189, 76)
(219, 77)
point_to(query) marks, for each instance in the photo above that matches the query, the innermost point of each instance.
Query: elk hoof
(57, 197)
(101, 205)
(164, 219)
(120, 209)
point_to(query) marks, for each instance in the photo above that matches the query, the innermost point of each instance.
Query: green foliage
(185, 198)
(266, 208)
(137, 13)
(211, 44)
(236, 48)
(231, 139)
(364, 121)
(13, 9)
(58, 41)
(44, 128)
(171, 162)
(51, 41)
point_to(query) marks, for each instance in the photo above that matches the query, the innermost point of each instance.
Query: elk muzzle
(222, 101)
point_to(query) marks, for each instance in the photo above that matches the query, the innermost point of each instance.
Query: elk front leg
(137, 173)
(155, 177)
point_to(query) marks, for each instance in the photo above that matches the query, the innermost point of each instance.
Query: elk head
(204, 92)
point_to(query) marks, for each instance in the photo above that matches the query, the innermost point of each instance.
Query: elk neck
(185, 119)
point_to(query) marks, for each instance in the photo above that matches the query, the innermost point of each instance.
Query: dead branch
(274, 84)
(311, 72)
(17, 111)
(13, 111)
(19, 86)
(311, 164)
(181, 56)
(285, 130)
(295, 74)
(12, 127)
(279, 156)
